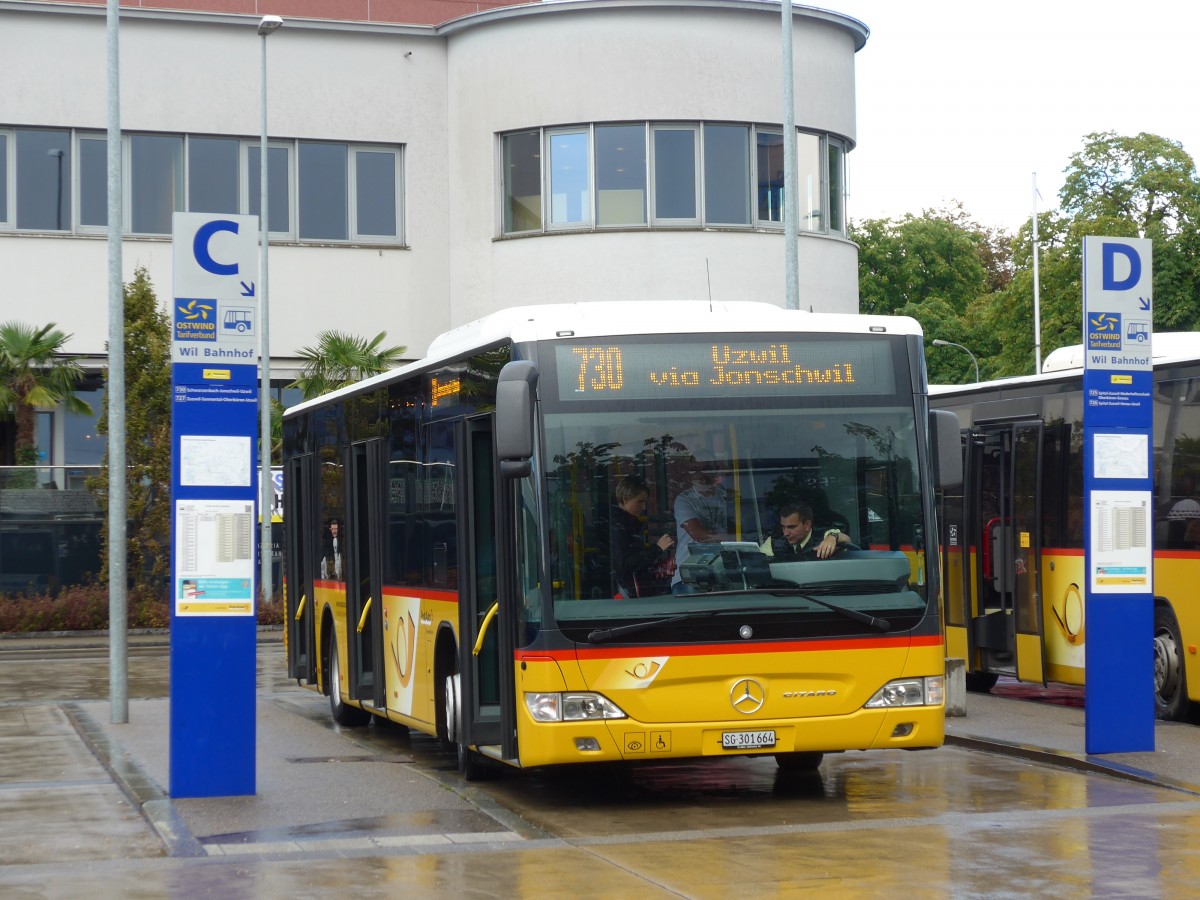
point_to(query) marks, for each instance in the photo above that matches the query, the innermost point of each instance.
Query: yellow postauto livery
(618, 531)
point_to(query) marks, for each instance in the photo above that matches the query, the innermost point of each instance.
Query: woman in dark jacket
(633, 558)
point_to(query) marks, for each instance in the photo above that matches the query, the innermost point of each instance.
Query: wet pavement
(1012, 806)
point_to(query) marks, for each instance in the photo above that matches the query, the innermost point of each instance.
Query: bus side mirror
(947, 449)
(515, 394)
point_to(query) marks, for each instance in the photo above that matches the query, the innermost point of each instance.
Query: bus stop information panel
(1118, 493)
(214, 423)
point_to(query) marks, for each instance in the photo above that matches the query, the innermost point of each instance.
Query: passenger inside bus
(637, 563)
(700, 514)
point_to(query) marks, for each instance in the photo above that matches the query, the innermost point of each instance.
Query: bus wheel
(1170, 686)
(343, 713)
(799, 762)
(470, 765)
(981, 682)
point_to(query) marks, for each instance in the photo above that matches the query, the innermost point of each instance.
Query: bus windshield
(622, 484)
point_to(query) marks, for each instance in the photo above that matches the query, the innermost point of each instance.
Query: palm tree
(34, 374)
(341, 359)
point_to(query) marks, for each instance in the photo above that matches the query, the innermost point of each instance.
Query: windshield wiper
(600, 635)
(848, 612)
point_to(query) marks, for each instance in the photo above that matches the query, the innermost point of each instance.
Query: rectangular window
(675, 169)
(279, 195)
(213, 175)
(3, 179)
(808, 171)
(155, 182)
(570, 181)
(726, 175)
(375, 189)
(43, 196)
(322, 191)
(620, 175)
(837, 188)
(93, 181)
(522, 178)
(770, 176)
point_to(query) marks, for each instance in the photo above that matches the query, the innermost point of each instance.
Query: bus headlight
(910, 692)
(571, 707)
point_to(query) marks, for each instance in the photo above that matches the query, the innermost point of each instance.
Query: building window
(727, 174)
(57, 180)
(666, 174)
(43, 182)
(570, 187)
(279, 181)
(837, 188)
(3, 178)
(93, 181)
(521, 178)
(675, 167)
(213, 183)
(620, 175)
(322, 200)
(155, 182)
(376, 197)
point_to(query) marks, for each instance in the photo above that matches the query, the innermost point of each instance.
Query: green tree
(35, 374)
(1143, 186)
(940, 254)
(147, 441)
(339, 359)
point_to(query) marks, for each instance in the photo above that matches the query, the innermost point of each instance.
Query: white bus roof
(627, 317)
(1165, 348)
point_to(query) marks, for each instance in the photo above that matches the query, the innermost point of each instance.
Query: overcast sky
(965, 99)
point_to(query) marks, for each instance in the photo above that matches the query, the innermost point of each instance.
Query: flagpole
(1037, 303)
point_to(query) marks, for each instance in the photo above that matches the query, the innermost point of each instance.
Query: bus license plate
(747, 740)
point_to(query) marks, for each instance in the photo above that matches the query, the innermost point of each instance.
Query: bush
(85, 608)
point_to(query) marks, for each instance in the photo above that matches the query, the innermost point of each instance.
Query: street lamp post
(55, 153)
(267, 26)
(940, 343)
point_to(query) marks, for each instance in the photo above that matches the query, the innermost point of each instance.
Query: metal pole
(266, 489)
(118, 602)
(1037, 302)
(791, 196)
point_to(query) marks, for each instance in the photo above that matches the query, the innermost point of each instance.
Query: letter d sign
(1108, 266)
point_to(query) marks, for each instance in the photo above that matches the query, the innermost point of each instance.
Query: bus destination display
(642, 371)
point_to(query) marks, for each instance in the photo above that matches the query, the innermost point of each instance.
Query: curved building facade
(427, 170)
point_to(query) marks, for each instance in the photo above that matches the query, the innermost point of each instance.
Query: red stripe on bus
(927, 640)
(423, 593)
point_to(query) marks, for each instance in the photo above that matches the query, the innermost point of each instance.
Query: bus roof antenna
(708, 273)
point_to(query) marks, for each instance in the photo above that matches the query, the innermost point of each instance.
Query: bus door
(1004, 515)
(366, 493)
(301, 515)
(487, 639)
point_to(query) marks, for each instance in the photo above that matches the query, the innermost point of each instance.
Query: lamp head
(55, 152)
(938, 342)
(269, 24)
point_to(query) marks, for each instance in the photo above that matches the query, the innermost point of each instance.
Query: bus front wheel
(470, 764)
(1170, 685)
(343, 713)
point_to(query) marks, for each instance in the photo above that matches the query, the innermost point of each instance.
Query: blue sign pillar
(214, 429)
(1118, 494)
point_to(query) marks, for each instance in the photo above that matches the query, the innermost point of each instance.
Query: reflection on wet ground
(376, 811)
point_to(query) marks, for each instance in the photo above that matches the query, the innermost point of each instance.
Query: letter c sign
(206, 231)
(1108, 267)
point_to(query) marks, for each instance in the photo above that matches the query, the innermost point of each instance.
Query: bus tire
(981, 682)
(799, 762)
(469, 763)
(343, 713)
(1170, 683)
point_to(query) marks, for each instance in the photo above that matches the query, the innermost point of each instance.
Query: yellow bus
(1013, 538)
(450, 537)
